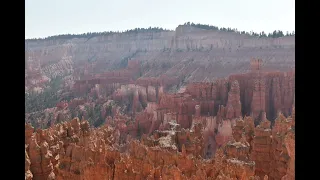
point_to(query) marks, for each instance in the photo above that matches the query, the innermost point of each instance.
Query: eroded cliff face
(239, 127)
(73, 150)
(189, 53)
(251, 93)
(143, 106)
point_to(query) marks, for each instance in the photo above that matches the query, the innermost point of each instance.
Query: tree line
(89, 35)
(274, 34)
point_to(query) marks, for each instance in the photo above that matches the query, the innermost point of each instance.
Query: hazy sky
(52, 17)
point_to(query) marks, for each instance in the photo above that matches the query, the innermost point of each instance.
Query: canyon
(184, 104)
(73, 150)
(188, 53)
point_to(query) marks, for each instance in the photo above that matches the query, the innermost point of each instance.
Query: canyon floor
(186, 104)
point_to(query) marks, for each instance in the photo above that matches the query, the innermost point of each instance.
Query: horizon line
(158, 28)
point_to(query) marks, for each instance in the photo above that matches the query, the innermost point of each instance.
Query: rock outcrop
(234, 104)
(239, 127)
(73, 150)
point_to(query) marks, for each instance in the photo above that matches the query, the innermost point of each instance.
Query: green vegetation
(124, 61)
(129, 103)
(94, 115)
(139, 131)
(90, 35)
(165, 65)
(47, 99)
(274, 34)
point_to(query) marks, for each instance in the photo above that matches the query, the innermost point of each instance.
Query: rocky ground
(73, 150)
(184, 104)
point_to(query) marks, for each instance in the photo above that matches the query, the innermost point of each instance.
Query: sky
(52, 17)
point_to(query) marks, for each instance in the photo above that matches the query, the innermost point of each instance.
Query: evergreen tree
(89, 35)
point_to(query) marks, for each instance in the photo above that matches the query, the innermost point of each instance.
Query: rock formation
(233, 104)
(238, 127)
(73, 150)
(189, 53)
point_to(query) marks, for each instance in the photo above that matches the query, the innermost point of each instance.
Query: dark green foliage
(150, 29)
(62, 165)
(109, 108)
(144, 105)
(165, 65)
(94, 115)
(67, 97)
(165, 49)
(47, 99)
(262, 34)
(90, 35)
(73, 113)
(147, 66)
(139, 131)
(202, 26)
(124, 61)
(275, 34)
(129, 103)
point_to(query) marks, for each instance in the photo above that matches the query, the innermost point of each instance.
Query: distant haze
(47, 18)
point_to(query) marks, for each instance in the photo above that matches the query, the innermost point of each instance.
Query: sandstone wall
(187, 52)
